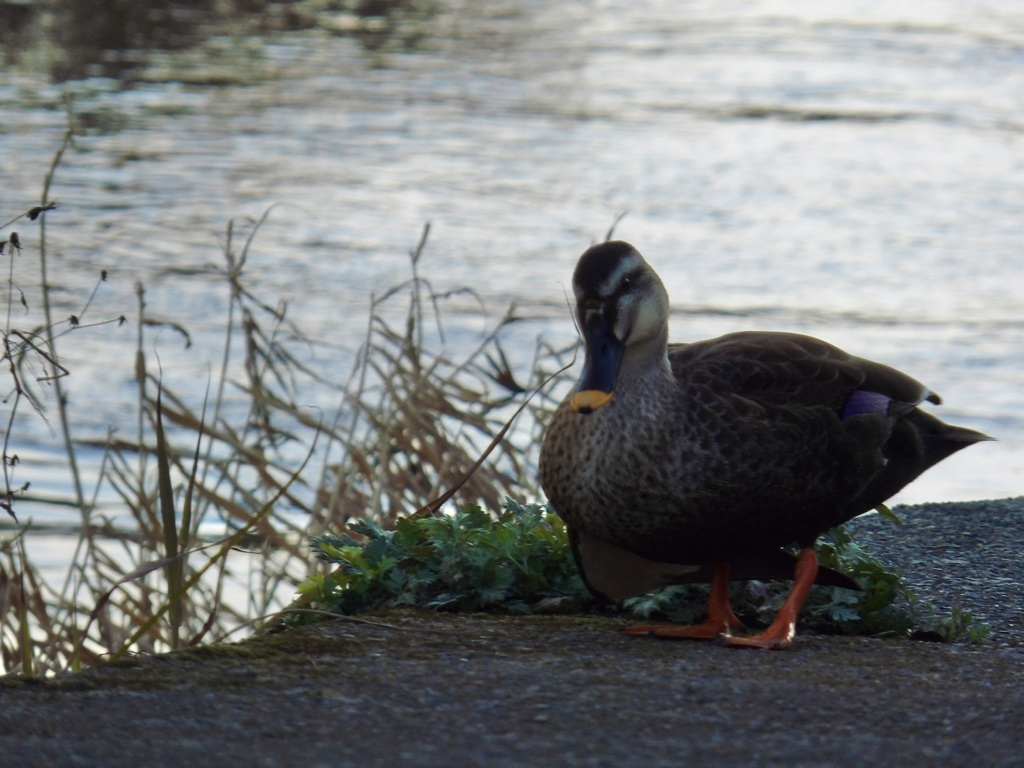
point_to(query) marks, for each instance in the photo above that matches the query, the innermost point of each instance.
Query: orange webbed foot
(709, 630)
(782, 631)
(721, 620)
(767, 640)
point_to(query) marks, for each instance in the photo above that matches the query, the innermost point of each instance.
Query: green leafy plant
(872, 611)
(517, 562)
(520, 562)
(958, 626)
(885, 606)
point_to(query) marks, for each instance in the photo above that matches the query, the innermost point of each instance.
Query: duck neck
(642, 358)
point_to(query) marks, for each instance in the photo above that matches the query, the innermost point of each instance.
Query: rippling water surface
(850, 170)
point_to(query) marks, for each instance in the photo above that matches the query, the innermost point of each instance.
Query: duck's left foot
(721, 620)
(709, 630)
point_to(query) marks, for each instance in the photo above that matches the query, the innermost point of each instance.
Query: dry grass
(220, 507)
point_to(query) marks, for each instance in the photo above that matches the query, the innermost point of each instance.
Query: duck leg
(720, 619)
(782, 631)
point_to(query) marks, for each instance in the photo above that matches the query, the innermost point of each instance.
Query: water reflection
(121, 39)
(794, 173)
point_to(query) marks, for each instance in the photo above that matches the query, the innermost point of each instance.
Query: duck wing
(803, 436)
(790, 370)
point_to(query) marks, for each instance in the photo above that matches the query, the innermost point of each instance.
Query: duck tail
(918, 441)
(936, 439)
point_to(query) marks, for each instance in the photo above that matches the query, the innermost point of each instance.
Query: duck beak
(601, 367)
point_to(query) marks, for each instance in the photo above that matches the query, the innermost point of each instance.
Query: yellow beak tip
(590, 400)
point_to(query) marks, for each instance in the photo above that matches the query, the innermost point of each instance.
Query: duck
(718, 460)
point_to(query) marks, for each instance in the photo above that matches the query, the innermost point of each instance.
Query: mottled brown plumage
(672, 461)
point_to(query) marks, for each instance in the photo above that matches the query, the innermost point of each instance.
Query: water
(850, 170)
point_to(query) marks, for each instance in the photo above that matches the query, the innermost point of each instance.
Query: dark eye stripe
(629, 282)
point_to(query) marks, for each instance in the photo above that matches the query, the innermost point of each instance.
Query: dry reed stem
(412, 423)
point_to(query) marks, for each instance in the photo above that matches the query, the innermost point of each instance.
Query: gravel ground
(423, 689)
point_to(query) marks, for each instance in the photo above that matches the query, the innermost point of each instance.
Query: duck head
(622, 309)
